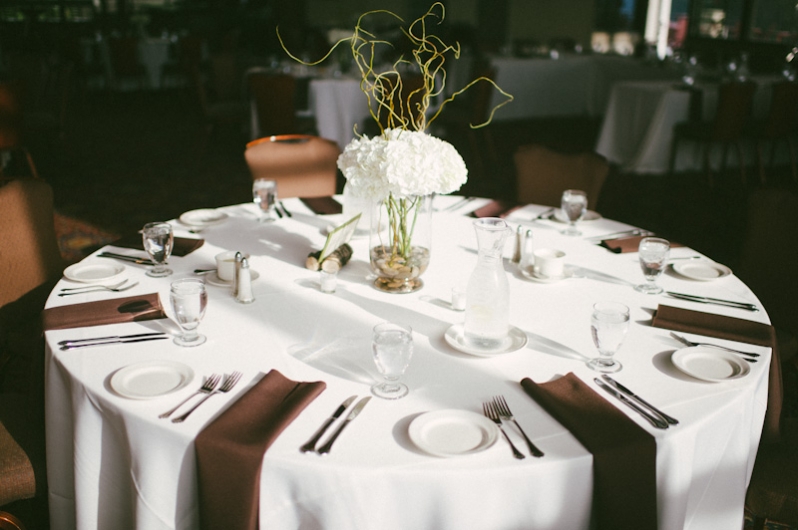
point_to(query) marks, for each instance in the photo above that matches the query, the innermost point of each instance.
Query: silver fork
(207, 387)
(490, 411)
(227, 385)
(504, 413)
(101, 288)
(690, 343)
(82, 287)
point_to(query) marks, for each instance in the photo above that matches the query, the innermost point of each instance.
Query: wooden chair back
(302, 165)
(274, 98)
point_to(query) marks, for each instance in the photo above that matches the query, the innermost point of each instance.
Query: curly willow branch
(389, 105)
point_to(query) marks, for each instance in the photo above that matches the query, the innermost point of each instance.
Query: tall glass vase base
(398, 285)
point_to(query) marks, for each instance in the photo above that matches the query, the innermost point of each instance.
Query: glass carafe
(487, 314)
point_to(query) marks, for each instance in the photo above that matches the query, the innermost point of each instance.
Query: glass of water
(189, 299)
(392, 345)
(574, 206)
(158, 240)
(653, 252)
(608, 325)
(264, 194)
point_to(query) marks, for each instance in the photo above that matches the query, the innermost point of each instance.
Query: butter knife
(324, 449)
(716, 301)
(112, 337)
(618, 386)
(66, 347)
(310, 445)
(132, 259)
(653, 420)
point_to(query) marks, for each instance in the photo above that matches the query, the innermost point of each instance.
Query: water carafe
(487, 314)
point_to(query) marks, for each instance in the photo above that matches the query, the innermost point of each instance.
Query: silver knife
(654, 420)
(113, 337)
(716, 301)
(132, 259)
(324, 449)
(118, 341)
(618, 386)
(311, 444)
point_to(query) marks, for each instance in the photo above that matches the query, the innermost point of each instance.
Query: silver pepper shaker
(519, 236)
(527, 259)
(238, 257)
(244, 292)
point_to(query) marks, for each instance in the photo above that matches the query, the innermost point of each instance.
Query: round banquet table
(113, 464)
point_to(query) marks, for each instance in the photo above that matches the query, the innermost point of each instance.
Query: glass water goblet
(189, 299)
(158, 240)
(392, 345)
(574, 206)
(264, 194)
(653, 252)
(608, 325)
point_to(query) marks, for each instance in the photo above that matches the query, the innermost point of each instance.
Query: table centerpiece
(402, 168)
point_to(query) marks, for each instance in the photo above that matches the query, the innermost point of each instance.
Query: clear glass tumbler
(158, 240)
(189, 299)
(653, 252)
(574, 206)
(609, 323)
(392, 345)
(264, 194)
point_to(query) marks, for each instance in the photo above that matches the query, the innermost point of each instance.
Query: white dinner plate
(150, 379)
(703, 271)
(203, 217)
(560, 216)
(450, 433)
(213, 279)
(516, 339)
(710, 364)
(93, 271)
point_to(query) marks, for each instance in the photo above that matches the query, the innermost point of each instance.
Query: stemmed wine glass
(392, 345)
(264, 194)
(189, 299)
(574, 206)
(608, 325)
(158, 240)
(653, 252)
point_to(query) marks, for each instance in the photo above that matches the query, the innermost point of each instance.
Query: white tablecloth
(112, 464)
(339, 105)
(573, 85)
(637, 131)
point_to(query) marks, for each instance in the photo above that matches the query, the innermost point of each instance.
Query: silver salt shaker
(238, 257)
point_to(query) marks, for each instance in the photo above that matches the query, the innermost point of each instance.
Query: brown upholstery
(18, 478)
(302, 165)
(733, 113)
(542, 175)
(9, 522)
(274, 98)
(780, 124)
(29, 252)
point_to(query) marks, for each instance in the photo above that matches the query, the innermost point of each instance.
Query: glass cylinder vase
(399, 242)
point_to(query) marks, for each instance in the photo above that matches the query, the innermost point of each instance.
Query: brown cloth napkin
(182, 245)
(624, 454)
(628, 244)
(323, 205)
(129, 309)
(737, 329)
(496, 209)
(230, 450)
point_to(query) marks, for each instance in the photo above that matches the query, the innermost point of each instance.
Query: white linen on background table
(339, 105)
(113, 464)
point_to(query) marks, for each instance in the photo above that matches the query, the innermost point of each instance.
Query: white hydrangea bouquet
(403, 167)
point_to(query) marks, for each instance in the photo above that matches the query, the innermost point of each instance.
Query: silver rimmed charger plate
(710, 364)
(449, 433)
(455, 336)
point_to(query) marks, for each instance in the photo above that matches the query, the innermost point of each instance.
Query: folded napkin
(323, 205)
(496, 209)
(129, 309)
(230, 449)
(737, 329)
(182, 245)
(624, 454)
(622, 245)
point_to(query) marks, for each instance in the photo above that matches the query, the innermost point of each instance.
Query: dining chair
(780, 124)
(221, 102)
(30, 264)
(542, 174)
(273, 97)
(11, 135)
(126, 65)
(732, 114)
(302, 165)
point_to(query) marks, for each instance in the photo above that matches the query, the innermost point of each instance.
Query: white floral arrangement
(401, 163)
